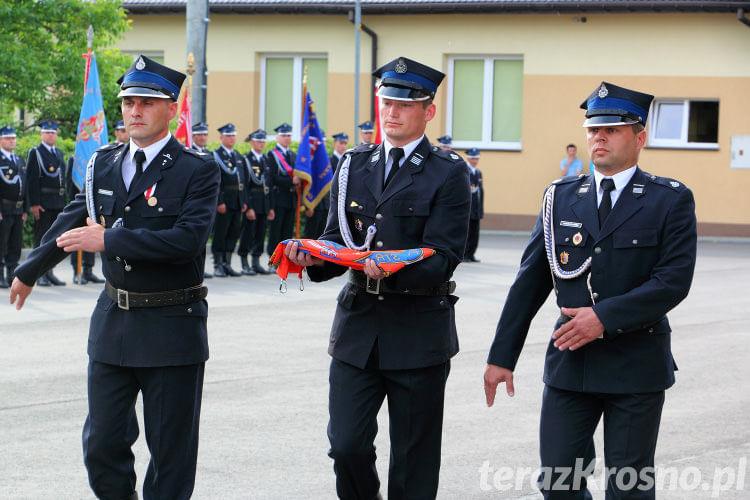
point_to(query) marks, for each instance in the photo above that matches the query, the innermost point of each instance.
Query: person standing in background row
(232, 203)
(571, 164)
(121, 135)
(45, 168)
(13, 205)
(477, 204)
(259, 208)
(280, 163)
(366, 131)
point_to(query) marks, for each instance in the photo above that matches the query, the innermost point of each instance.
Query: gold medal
(564, 258)
(51, 169)
(10, 170)
(229, 164)
(102, 221)
(577, 239)
(152, 201)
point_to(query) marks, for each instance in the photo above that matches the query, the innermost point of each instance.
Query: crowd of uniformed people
(256, 209)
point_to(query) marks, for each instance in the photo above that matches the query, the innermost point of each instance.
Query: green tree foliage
(42, 70)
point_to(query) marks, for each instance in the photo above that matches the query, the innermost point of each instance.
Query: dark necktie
(140, 159)
(396, 154)
(605, 207)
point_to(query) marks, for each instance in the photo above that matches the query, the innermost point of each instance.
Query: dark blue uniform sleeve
(184, 240)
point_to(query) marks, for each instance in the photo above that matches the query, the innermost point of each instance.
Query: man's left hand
(89, 238)
(579, 331)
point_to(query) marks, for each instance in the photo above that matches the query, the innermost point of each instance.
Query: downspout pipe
(741, 17)
(373, 64)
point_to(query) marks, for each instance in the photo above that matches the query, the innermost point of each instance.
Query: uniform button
(619, 330)
(361, 207)
(411, 209)
(597, 250)
(635, 242)
(380, 297)
(127, 209)
(567, 239)
(595, 295)
(189, 310)
(442, 302)
(650, 330)
(160, 209)
(378, 216)
(379, 244)
(117, 259)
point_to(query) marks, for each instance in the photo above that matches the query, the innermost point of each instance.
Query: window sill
(698, 146)
(487, 146)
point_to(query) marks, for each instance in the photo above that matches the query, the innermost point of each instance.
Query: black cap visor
(403, 93)
(609, 121)
(144, 90)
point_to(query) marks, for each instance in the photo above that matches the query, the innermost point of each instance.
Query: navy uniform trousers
(12, 208)
(253, 232)
(642, 262)
(388, 345)
(157, 351)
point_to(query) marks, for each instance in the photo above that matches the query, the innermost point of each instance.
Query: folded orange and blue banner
(312, 164)
(389, 261)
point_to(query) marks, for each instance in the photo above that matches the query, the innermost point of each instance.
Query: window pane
(279, 84)
(669, 121)
(507, 101)
(468, 89)
(317, 85)
(703, 125)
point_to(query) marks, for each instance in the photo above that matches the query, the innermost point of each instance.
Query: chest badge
(577, 239)
(152, 201)
(564, 258)
(358, 224)
(51, 169)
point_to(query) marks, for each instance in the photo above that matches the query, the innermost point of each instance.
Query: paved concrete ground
(265, 396)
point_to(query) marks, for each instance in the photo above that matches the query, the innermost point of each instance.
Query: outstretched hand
(493, 376)
(19, 291)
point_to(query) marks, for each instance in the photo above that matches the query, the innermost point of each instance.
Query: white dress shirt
(408, 150)
(621, 180)
(128, 164)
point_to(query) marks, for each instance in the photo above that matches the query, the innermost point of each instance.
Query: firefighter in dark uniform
(87, 258)
(618, 247)
(340, 144)
(366, 132)
(445, 142)
(477, 204)
(121, 135)
(260, 206)
(153, 200)
(45, 168)
(200, 137)
(280, 164)
(393, 337)
(13, 205)
(232, 203)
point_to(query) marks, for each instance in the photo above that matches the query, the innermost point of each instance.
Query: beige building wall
(668, 55)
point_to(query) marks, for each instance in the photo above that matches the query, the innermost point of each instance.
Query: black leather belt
(231, 187)
(128, 300)
(13, 203)
(59, 191)
(377, 287)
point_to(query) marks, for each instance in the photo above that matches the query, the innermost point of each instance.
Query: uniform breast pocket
(105, 204)
(570, 246)
(635, 238)
(163, 213)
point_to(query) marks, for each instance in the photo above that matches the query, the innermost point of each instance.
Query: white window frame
(486, 141)
(297, 71)
(682, 142)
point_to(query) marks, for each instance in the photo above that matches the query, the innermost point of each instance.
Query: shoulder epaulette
(568, 179)
(197, 154)
(666, 181)
(109, 147)
(366, 147)
(447, 154)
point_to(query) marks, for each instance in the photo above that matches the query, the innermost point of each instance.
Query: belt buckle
(19, 204)
(123, 301)
(372, 286)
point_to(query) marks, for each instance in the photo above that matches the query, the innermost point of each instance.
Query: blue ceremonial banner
(91, 133)
(312, 164)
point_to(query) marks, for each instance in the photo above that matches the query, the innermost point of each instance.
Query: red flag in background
(378, 132)
(183, 133)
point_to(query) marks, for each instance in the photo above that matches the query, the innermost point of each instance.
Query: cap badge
(577, 239)
(400, 67)
(140, 64)
(603, 92)
(564, 258)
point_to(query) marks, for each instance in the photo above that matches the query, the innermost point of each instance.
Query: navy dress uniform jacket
(285, 194)
(426, 204)
(477, 194)
(257, 190)
(232, 184)
(163, 246)
(642, 266)
(45, 183)
(12, 186)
